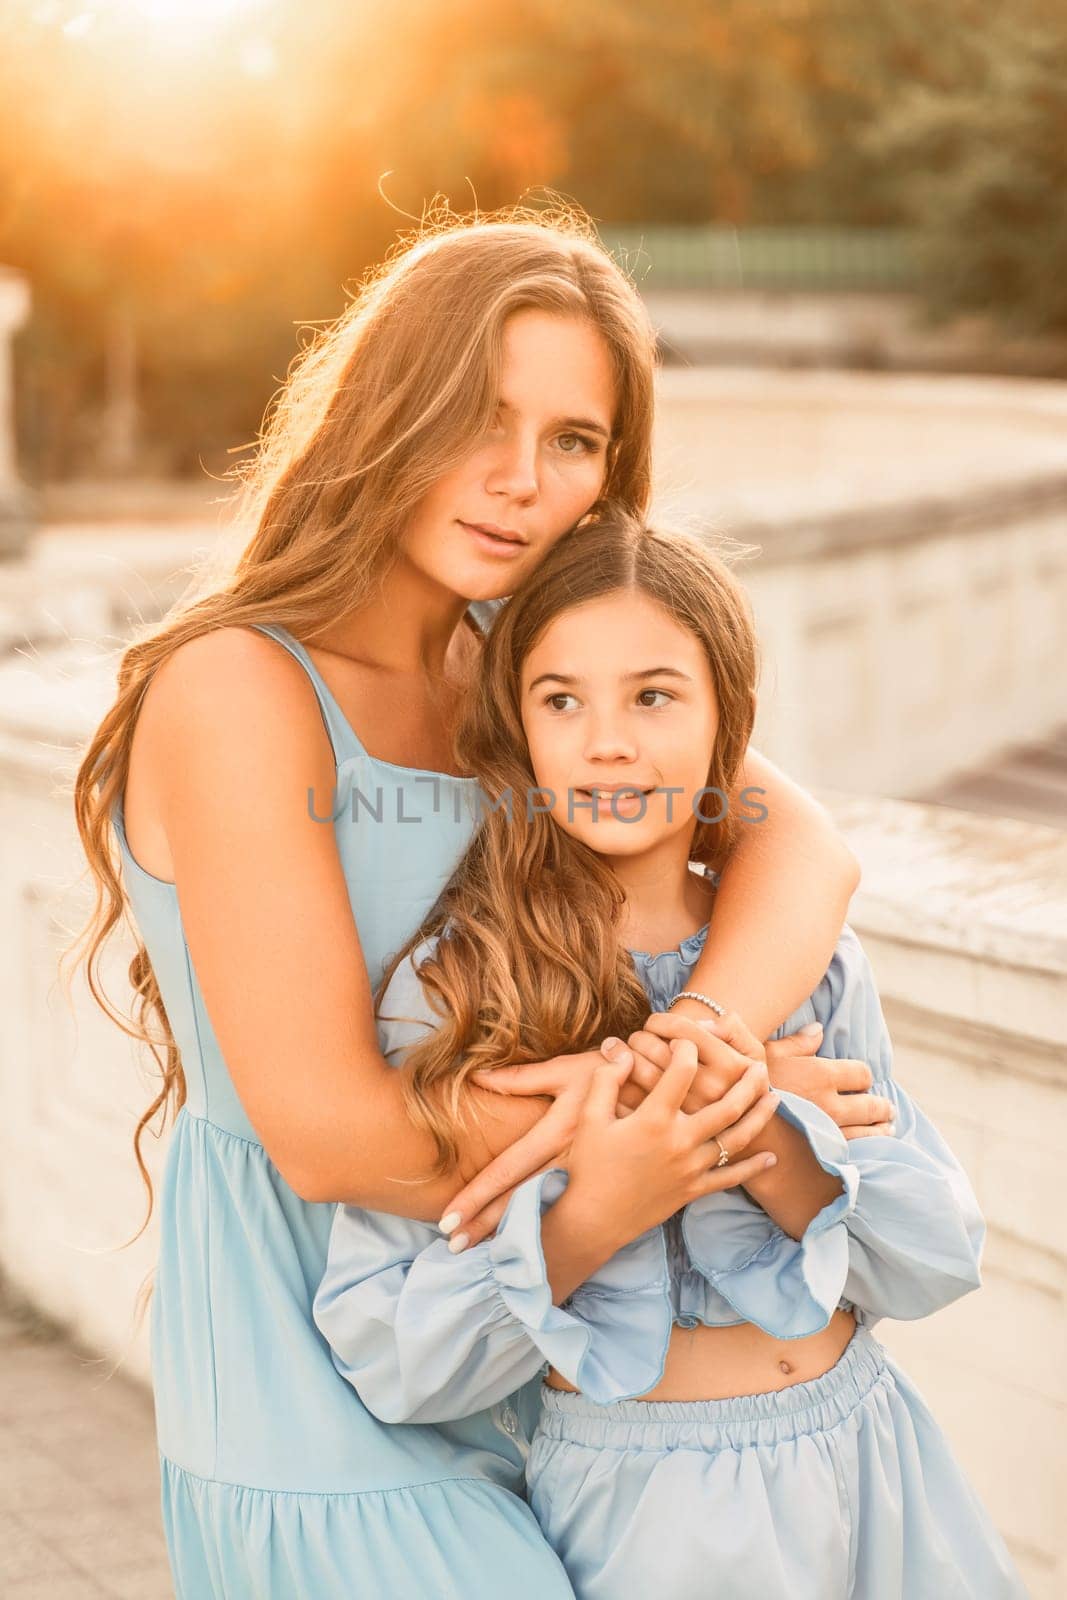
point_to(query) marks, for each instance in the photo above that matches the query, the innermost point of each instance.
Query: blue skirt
(456, 1539)
(843, 1488)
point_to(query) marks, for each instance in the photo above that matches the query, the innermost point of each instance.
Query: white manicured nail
(450, 1220)
(458, 1242)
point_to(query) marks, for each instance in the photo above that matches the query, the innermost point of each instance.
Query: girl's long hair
(375, 410)
(528, 962)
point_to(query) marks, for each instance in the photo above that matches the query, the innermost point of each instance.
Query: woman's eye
(576, 444)
(661, 692)
(552, 698)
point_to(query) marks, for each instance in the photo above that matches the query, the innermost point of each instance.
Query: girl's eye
(665, 697)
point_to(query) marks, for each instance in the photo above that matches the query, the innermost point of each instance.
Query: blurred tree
(978, 154)
(747, 111)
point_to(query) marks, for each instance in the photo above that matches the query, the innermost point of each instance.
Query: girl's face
(616, 695)
(537, 471)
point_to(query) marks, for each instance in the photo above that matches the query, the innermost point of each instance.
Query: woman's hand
(840, 1088)
(475, 1210)
(628, 1174)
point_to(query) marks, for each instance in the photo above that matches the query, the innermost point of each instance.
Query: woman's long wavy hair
(377, 407)
(528, 961)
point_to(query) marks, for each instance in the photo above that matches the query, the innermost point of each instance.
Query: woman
(717, 1418)
(489, 387)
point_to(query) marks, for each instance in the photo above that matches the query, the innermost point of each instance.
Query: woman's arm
(781, 904)
(235, 741)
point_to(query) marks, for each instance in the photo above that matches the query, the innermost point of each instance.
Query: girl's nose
(608, 741)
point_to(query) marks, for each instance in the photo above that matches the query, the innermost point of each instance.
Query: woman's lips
(492, 543)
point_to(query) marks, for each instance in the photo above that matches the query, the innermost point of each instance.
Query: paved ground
(79, 1483)
(1028, 782)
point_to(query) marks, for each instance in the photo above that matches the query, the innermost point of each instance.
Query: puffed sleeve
(427, 1336)
(902, 1238)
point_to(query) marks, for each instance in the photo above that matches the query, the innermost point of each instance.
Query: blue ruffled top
(425, 1335)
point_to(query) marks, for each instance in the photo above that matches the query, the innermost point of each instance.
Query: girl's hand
(725, 1049)
(475, 1210)
(840, 1088)
(628, 1174)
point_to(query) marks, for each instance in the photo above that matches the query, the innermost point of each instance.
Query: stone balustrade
(910, 588)
(965, 920)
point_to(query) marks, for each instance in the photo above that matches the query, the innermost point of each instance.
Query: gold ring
(724, 1154)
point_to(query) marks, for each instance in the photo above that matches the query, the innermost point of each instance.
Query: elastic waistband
(738, 1423)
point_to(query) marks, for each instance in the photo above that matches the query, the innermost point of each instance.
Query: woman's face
(616, 695)
(536, 472)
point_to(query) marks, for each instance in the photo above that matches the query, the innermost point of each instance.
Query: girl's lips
(491, 544)
(606, 794)
(618, 802)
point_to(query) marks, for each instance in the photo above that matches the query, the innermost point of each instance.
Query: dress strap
(342, 735)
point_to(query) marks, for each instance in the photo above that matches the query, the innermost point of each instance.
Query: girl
(717, 1417)
(484, 392)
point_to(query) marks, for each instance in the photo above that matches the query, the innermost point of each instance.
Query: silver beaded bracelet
(692, 994)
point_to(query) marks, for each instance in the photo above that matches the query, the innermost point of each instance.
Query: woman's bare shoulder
(228, 710)
(225, 663)
(232, 682)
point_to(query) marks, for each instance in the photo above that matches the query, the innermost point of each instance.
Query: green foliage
(979, 157)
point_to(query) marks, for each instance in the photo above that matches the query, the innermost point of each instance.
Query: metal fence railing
(716, 256)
